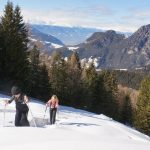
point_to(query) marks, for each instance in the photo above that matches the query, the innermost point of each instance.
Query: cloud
(136, 18)
(90, 16)
(102, 10)
(79, 16)
(137, 15)
(96, 16)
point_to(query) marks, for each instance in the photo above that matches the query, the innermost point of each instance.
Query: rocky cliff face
(134, 51)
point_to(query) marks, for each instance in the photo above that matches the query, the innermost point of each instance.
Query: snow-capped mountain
(75, 130)
(45, 42)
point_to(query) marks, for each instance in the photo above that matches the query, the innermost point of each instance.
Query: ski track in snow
(74, 130)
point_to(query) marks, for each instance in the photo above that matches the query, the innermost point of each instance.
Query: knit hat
(15, 90)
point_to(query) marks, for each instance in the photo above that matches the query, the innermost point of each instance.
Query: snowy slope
(75, 130)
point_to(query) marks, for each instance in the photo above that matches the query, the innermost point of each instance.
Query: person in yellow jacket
(53, 103)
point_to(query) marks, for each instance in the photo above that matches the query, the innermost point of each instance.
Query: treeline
(130, 79)
(135, 107)
(83, 87)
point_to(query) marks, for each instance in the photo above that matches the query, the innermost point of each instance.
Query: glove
(6, 102)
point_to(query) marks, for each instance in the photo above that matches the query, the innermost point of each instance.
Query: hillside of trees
(131, 79)
(75, 86)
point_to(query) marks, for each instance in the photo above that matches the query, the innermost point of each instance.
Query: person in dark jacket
(53, 104)
(22, 109)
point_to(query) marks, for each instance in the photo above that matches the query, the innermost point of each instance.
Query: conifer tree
(74, 61)
(15, 64)
(142, 116)
(33, 78)
(58, 76)
(127, 111)
(38, 79)
(90, 79)
(44, 87)
(34, 56)
(74, 80)
(108, 92)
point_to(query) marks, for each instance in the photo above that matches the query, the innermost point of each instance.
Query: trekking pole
(57, 116)
(32, 115)
(4, 115)
(57, 113)
(45, 112)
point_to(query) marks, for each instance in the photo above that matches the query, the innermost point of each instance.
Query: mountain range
(107, 49)
(68, 35)
(45, 42)
(115, 51)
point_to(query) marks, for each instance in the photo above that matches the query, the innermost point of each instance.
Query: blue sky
(120, 15)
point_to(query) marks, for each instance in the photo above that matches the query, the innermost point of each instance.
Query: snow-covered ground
(75, 130)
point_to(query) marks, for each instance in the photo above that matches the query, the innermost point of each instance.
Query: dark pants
(21, 118)
(53, 115)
